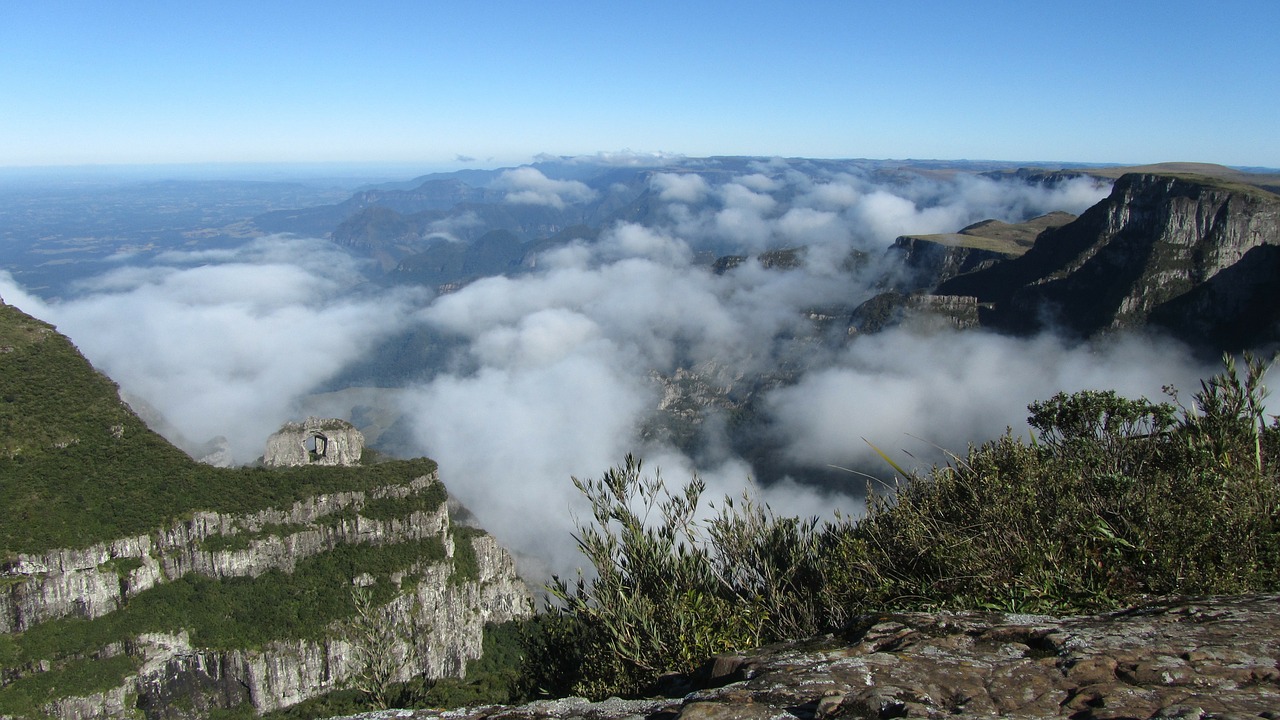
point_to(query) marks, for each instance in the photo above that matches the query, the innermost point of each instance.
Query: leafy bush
(1110, 500)
(25, 696)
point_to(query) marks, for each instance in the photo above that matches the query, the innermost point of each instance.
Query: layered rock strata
(439, 616)
(90, 582)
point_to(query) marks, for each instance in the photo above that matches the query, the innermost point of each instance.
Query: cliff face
(93, 581)
(918, 312)
(448, 618)
(438, 617)
(134, 580)
(1194, 255)
(930, 260)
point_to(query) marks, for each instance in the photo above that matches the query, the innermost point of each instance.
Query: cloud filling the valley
(558, 371)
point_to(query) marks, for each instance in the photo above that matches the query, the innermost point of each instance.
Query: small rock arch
(317, 445)
(316, 441)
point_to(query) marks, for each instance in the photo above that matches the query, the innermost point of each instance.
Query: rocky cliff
(919, 312)
(929, 260)
(1194, 255)
(1196, 659)
(137, 582)
(439, 610)
(443, 621)
(93, 581)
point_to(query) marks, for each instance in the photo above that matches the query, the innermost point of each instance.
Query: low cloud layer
(909, 394)
(225, 343)
(556, 372)
(528, 186)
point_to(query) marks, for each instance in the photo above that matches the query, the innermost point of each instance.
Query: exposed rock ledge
(1204, 658)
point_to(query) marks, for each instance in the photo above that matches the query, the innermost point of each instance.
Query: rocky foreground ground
(1193, 659)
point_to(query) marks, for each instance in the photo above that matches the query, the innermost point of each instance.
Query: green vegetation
(428, 500)
(82, 677)
(122, 566)
(67, 442)
(466, 566)
(996, 236)
(494, 678)
(1110, 501)
(975, 242)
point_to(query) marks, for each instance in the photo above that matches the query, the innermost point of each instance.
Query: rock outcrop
(1194, 255)
(918, 312)
(316, 441)
(930, 260)
(1202, 659)
(444, 622)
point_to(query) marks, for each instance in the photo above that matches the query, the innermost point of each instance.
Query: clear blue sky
(193, 82)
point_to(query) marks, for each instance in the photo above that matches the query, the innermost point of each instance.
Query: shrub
(1111, 500)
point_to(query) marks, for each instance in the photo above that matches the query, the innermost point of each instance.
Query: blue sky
(426, 82)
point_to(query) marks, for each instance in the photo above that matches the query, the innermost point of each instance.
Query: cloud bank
(225, 343)
(528, 186)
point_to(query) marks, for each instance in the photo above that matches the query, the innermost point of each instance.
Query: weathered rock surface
(316, 441)
(1203, 658)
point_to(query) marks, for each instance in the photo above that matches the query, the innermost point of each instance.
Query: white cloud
(680, 187)
(900, 389)
(528, 186)
(806, 226)
(758, 182)
(227, 349)
(738, 196)
(831, 196)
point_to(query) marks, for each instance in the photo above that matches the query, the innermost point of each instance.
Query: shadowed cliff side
(1190, 254)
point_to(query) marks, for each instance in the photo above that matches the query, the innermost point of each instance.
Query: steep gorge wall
(90, 582)
(438, 616)
(1188, 253)
(451, 616)
(929, 262)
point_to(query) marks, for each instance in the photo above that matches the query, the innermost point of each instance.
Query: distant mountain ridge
(393, 222)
